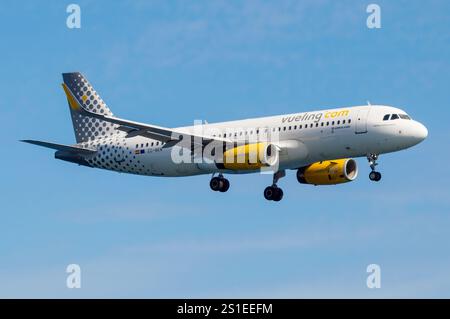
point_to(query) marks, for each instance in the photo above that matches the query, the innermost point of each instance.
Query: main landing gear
(219, 183)
(273, 192)
(374, 175)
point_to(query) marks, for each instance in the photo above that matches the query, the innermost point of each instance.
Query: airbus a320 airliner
(318, 144)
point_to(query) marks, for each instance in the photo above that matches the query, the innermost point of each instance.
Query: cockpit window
(396, 117)
(404, 117)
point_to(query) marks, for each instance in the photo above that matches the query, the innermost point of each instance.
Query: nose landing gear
(273, 192)
(219, 183)
(374, 175)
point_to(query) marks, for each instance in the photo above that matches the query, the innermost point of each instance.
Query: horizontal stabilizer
(61, 147)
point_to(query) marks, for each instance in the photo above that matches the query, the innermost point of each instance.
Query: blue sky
(171, 62)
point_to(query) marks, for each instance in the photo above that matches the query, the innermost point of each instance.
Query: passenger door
(361, 120)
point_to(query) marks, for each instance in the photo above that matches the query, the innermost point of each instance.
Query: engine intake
(328, 172)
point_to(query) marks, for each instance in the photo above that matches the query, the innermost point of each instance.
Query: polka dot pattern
(87, 128)
(119, 154)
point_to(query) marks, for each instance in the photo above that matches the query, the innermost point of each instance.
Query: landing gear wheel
(279, 194)
(269, 193)
(375, 176)
(215, 184)
(273, 193)
(225, 185)
(220, 184)
(378, 176)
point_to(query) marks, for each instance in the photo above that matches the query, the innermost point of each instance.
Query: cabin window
(343, 122)
(332, 123)
(146, 145)
(300, 127)
(295, 127)
(339, 122)
(257, 131)
(321, 124)
(349, 121)
(328, 123)
(152, 143)
(386, 117)
(311, 125)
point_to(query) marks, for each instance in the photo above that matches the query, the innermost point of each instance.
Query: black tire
(378, 177)
(278, 194)
(215, 183)
(225, 185)
(269, 193)
(373, 176)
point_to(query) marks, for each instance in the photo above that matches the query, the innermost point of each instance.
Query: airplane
(319, 145)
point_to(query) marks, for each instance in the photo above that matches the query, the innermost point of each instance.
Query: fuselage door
(361, 121)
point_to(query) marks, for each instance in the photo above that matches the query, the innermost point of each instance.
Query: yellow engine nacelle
(250, 157)
(328, 172)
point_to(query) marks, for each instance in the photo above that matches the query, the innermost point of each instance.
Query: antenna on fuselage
(368, 103)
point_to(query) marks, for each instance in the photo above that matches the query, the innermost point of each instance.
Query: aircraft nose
(420, 132)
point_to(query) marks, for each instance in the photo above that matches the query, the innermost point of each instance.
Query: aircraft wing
(165, 135)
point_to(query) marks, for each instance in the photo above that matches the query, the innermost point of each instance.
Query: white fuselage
(303, 138)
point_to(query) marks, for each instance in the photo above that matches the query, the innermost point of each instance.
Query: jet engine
(328, 172)
(250, 157)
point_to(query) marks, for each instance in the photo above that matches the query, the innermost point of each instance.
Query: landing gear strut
(273, 192)
(374, 175)
(219, 183)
